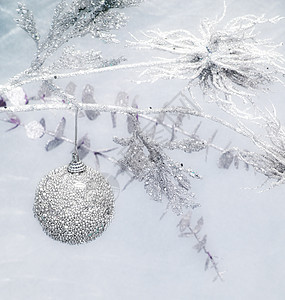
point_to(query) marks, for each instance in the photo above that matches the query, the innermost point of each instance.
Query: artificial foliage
(228, 64)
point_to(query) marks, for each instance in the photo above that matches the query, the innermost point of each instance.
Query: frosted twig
(28, 76)
(186, 230)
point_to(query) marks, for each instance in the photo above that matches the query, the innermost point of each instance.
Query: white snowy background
(139, 256)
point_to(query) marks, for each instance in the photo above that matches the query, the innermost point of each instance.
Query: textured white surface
(139, 256)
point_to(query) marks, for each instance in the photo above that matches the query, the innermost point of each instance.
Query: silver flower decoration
(223, 61)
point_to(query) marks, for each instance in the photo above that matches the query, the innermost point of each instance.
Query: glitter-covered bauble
(74, 203)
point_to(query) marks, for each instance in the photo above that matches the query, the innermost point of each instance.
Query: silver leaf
(199, 225)
(82, 146)
(88, 97)
(226, 160)
(122, 99)
(185, 222)
(43, 123)
(207, 264)
(236, 161)
(53, 144)
(60, 128)
(114, 119)
(201, 244)
(70, 88)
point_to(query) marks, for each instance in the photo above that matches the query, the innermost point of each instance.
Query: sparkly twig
(29, 76)
(186, 230)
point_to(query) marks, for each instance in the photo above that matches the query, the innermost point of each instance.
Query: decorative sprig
(224, 62)
(191, 144)
(81, 17)
(162, 177)
(187, 230)
(74, 20)
(26, 22)
(72, 59)
(270, 159)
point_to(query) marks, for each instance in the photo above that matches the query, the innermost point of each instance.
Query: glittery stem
(32, 77)
(206, 251)
(122, 110)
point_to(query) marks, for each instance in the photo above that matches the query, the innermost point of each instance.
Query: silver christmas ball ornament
(74, 204)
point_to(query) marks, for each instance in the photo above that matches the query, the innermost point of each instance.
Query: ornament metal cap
(76, 165)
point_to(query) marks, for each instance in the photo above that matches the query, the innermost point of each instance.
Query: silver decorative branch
(27, 77)
(228, 64)
(224, 61)
(269, 162)
(70, 21)
(186, 230)
(35, 130)
(162, 177)
(74, 20)
(122, 110)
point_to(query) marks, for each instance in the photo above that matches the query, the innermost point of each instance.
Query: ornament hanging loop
(76, 165)
(75, 130)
